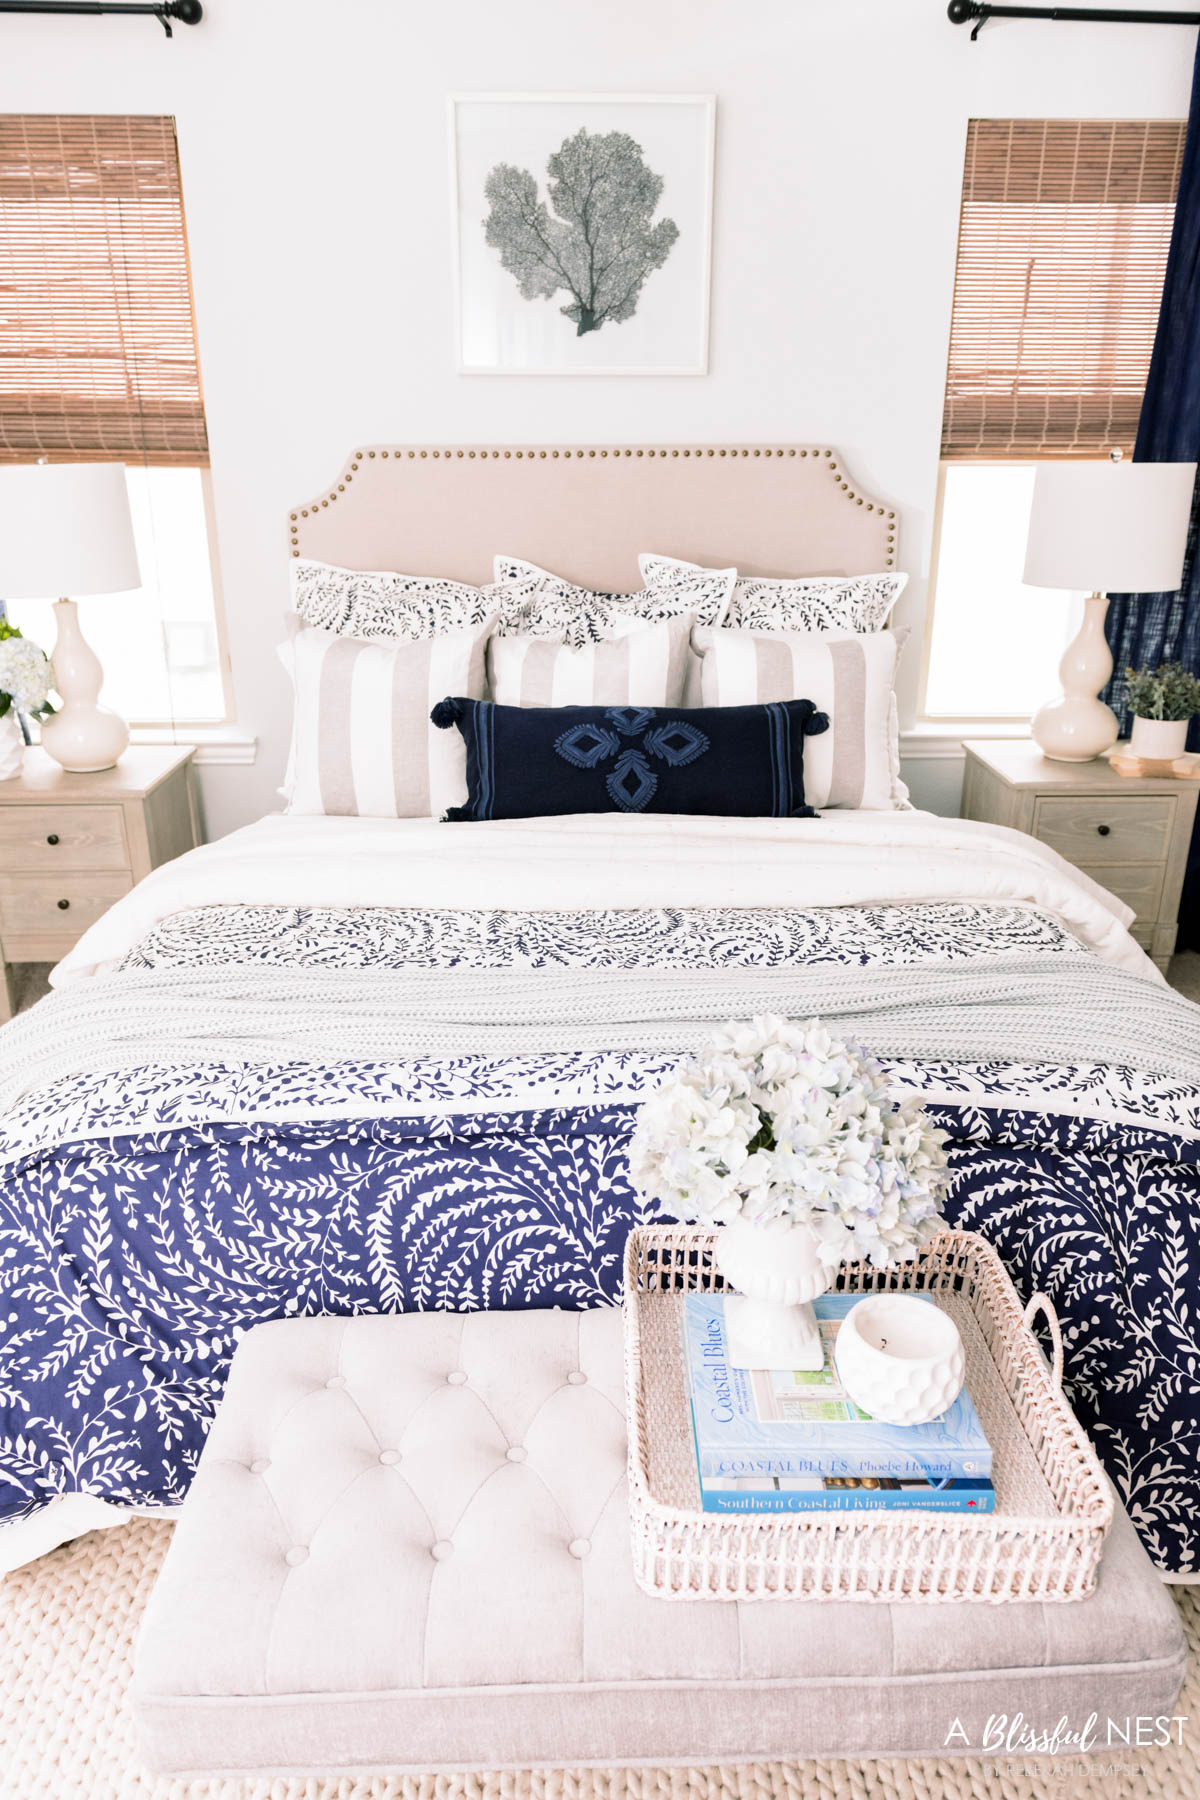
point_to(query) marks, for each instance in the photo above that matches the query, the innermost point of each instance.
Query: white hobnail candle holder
(900, 1358)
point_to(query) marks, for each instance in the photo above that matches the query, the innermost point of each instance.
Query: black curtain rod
(962, 12)
(188, 12)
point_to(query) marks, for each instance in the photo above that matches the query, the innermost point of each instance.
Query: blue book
(793, 1422)
(822, 1493)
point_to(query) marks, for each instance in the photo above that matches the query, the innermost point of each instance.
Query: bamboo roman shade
(97, 345)
(1061, 255)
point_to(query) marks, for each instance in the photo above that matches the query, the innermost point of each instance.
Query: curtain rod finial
(188, 12)
(961, 12)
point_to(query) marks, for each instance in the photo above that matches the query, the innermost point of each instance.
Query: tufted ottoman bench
(406, 1547)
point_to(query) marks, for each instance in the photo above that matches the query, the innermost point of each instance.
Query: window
(982, 603)
(1062, 250)
(98, 363)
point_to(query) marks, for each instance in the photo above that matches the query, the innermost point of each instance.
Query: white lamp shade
(1111, 527)
(65, 530)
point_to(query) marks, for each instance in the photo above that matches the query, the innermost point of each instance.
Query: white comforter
(614, 860)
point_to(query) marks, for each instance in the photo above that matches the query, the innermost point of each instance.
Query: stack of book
(782, 1440)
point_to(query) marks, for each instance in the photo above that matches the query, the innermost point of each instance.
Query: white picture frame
(662, 322)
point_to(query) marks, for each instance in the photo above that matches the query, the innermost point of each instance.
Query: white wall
(313, 144)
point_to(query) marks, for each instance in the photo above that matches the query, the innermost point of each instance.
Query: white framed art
(582, 232)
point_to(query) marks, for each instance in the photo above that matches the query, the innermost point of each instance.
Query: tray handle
(1042, 1303)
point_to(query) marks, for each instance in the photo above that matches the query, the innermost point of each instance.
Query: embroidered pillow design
(632, 784)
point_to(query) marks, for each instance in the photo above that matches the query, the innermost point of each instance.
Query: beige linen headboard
(586, 512)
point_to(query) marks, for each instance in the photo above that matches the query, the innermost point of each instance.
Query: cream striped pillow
(646, 667)
(362, 741)
(849, 675)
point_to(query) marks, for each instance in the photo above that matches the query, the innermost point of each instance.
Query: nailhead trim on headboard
(533, 454)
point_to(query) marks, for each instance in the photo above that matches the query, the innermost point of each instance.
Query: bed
(340, 1065)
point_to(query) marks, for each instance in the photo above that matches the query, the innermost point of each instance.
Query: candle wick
(883, 1343)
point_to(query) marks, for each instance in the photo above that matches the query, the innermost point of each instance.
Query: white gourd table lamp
(1113, 527)
(65, 528)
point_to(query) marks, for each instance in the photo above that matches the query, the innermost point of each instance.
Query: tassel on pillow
(446, 713)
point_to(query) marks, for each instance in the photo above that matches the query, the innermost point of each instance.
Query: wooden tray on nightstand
(1177, 768)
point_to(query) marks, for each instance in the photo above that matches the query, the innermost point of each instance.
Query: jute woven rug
(67, 1626)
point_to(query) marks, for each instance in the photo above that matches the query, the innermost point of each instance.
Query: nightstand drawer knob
(63, 905)
(53, 838)
(1103, 830)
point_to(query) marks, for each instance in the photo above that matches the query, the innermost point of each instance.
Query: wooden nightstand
(72, 844)
(1128, 832)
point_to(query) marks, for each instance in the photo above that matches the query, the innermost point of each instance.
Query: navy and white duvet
(150, 1215)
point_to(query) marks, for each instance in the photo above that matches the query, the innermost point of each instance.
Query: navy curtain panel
(1146, 629)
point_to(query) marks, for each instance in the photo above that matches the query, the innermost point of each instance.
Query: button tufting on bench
(336, 1381)
(517, 1453)
(528, 1642)
(260, 1465)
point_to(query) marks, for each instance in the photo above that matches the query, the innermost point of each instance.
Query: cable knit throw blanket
(1025, 1010)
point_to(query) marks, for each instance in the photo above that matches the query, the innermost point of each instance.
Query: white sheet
(59, 1521)
(615, 860)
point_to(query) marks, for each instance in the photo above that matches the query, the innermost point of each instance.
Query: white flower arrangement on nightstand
(791, 1142)
(25, 681)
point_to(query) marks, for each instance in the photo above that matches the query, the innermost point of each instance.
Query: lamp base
(83, 739)
(1075, 729)
(82, 736)
(1078, 727)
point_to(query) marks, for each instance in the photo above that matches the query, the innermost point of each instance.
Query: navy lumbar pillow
(526, 762)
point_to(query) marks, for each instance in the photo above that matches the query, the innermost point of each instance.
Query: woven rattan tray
(1053, 1501)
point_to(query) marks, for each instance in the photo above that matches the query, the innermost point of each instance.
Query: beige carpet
(1184, 974)
(30, 981)
(67, 1626)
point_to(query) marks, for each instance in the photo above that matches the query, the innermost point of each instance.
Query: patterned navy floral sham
(533, 602)
(382, 604)
(860, 603)
(724, 761)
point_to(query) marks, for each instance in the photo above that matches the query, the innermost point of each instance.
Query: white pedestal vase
(12, 746)
(1158, 740)
(770, 1323)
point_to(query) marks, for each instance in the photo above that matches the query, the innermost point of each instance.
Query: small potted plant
(25, 678)
(1164, 702)
(792, 1144)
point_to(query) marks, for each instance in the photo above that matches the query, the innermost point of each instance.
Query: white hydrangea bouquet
(25, 681)
(791, 1142)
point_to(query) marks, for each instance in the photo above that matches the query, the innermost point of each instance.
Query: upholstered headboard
(587, 512)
